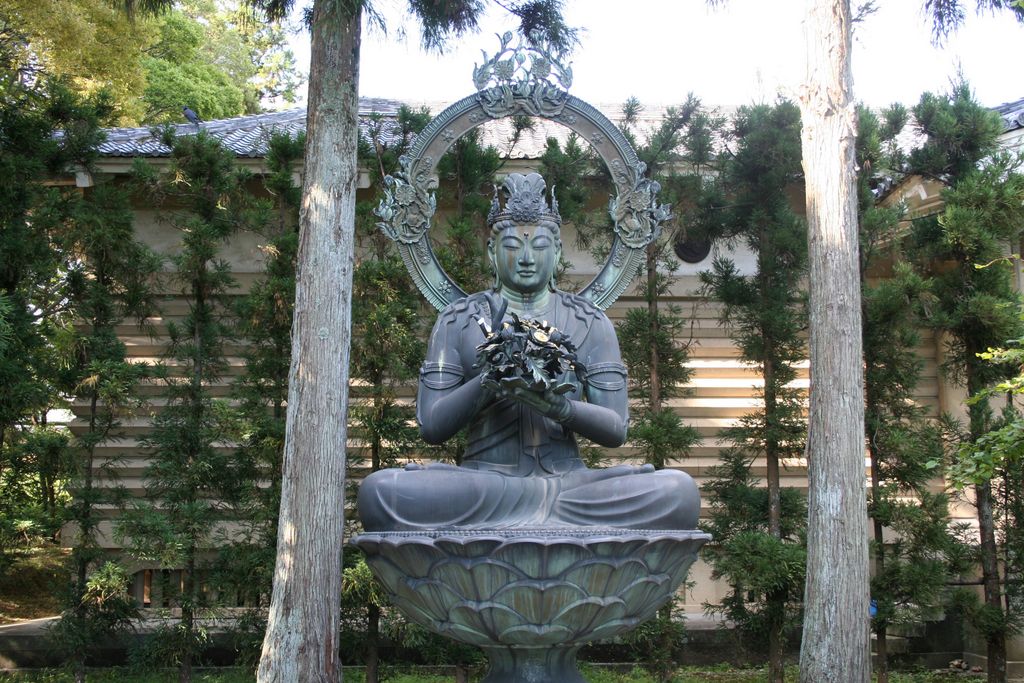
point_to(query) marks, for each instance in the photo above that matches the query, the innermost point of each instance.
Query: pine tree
(962, 251)
(192, 475)
(470, 170)
(387, 348)
(911, 570)
(109, 282)
(35, 307)
(264, 314)
(758, 531)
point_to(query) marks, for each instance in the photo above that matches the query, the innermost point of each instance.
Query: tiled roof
(1012, 114)
(247, 136)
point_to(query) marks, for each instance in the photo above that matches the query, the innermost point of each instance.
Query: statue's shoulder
(583, 308)
(463, 310)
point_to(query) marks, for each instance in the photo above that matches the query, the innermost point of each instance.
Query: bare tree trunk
(836, 644)
(301, 643)
(995, 642)
(372, 644)
(881, 632)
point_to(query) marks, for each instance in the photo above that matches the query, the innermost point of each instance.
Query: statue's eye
(541, 243)
(512, 243)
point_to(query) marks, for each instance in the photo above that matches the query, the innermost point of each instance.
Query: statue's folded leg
(666, 499)
(439, 497)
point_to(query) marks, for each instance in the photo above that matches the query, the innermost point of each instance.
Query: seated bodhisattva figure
(521, 466)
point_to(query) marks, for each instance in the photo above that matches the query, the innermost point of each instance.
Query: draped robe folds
(521, 468)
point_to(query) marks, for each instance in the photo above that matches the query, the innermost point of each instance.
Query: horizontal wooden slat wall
(722, 389)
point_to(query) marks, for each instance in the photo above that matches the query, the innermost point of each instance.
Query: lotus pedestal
(530, 598)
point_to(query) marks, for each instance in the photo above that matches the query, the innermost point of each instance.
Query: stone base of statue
(531, 597)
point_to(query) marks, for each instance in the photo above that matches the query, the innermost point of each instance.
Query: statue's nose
(526, 255)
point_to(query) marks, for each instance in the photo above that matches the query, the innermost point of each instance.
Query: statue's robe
(521, 468)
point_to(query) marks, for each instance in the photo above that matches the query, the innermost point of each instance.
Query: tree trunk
(187, 601)
(996, 641)
(776, 653)
(372, 643)
(301, 643)
(652, 315)
(836, 644)
(881, 632)
(991, 582)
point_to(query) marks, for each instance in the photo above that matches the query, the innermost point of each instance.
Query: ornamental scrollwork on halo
(525, 79)
(408, 205)
(636, 212)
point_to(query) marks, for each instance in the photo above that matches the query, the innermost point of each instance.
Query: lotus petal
(536, 634)
(539, 602)
(647, 595)
(466, 633)
(605, 576)
(412, 558)
(436, 597)
(472, 547)
(543, 560)
(583, 615)
(613, 628)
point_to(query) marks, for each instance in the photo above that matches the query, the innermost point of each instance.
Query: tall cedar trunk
(836, 642)
(188, 590)
(881, 641)
(776, 606)
(372, 643)
(85, 527)
(373, 611)
(991, 583)
(652, 315)
(301, 643)
(654, 404)
(996, 642)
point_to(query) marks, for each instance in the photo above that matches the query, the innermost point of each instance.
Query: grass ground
(27, 586)
(593, 675)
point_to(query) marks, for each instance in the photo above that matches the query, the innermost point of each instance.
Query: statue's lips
(526, 273)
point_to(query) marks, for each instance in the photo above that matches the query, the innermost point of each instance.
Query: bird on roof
(191, 116)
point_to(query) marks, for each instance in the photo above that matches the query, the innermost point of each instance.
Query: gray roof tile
(247, 136)
(1012, 114)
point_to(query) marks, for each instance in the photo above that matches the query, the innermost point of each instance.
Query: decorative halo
(520, 80)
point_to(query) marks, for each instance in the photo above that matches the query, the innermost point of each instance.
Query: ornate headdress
(525, 203)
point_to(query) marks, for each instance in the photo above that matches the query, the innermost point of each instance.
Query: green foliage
(470, 171)
(912, 568)
(976, 306)
(758, 531)
(217, 59)
(204, 87)
(39, 280)
(211, 55)
(577, 175)
(103, 608)
(108, 282)
(264, 319)
(88, 44)
(190, 475)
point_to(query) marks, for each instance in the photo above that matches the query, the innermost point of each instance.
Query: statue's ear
(490, 255)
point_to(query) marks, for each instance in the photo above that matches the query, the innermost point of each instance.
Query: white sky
(746, 51)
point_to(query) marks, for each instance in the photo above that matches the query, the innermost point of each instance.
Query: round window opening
(692, 250)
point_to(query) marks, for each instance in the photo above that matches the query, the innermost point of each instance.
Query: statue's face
(525, 257)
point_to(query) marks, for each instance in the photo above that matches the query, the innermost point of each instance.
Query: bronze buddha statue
(521, 467)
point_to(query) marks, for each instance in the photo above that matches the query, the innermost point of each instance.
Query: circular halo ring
(628, 249)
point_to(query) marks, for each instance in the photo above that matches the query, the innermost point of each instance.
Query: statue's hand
(547, 403)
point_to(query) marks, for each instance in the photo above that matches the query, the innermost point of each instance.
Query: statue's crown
(524, 203)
